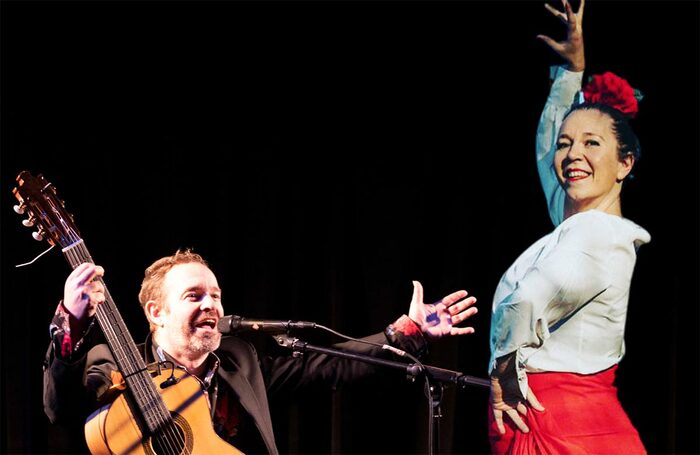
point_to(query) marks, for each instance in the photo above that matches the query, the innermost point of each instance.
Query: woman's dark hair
(625, 135)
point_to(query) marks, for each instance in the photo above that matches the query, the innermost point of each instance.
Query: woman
(557, 330)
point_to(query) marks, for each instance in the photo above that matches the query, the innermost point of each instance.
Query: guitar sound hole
(175, 440)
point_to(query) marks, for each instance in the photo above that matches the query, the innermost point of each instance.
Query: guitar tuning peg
(29, 222)
(19, 209)
(38, 237)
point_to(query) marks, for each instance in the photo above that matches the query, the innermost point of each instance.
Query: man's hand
(83, 292)
(439, 319)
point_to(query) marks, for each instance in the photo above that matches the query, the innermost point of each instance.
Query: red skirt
(582, 416)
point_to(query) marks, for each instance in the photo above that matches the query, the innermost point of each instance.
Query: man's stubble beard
(204, 344)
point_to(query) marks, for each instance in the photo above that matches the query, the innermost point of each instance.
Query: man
(181, 298)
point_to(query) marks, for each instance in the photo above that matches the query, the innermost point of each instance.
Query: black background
(321, 156)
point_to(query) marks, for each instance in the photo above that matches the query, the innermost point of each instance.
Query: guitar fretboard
(132, 366)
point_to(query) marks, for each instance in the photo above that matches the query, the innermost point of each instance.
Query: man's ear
(154, 313)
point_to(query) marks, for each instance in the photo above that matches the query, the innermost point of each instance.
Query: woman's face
(587, 161)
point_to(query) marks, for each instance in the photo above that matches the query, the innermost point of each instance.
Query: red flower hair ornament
(610, 89)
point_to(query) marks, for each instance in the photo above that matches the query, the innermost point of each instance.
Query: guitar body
(113, 428)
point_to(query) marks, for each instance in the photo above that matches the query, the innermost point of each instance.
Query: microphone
(231, 324)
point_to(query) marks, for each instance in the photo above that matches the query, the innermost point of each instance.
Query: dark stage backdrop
(323, 155)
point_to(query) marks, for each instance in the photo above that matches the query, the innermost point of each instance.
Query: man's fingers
(456, 331)
(98, 272)
(97, 293)
(86, 272)
(83, 273)
(464, 315)
(460, 305)
(417, 292)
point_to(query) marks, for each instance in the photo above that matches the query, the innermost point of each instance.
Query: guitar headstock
(38, 199)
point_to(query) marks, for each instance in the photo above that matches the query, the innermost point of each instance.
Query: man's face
(191, 309)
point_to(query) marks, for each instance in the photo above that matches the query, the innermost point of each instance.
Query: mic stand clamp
(293, 343)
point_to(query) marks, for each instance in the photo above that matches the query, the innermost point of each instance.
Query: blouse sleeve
(565, 84)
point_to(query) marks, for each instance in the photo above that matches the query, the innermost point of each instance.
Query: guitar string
(160, 422)
(24, 264)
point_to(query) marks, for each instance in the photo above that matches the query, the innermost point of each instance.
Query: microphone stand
(435, 377)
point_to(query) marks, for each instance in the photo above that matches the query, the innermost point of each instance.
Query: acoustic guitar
(163, 409)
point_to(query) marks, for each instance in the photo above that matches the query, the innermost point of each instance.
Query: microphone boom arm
(412, 370)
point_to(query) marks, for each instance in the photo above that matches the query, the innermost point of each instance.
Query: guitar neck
(39, 200)
(129, 361)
